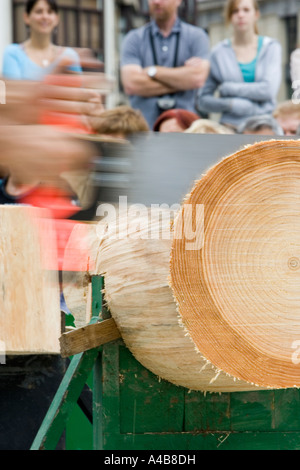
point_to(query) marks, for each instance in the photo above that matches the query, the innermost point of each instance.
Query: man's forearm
(137, 82)
(149, 88)
(183, 78)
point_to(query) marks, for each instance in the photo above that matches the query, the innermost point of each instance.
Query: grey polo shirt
(137, 50)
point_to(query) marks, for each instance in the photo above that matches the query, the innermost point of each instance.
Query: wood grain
(238, 295)
(89, 337)
(30, 321)
(137, 292)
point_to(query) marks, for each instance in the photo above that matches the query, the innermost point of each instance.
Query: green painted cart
(135, 410)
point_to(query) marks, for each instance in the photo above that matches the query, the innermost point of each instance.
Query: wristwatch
(152, 71)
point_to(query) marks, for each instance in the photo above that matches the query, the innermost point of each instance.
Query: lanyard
(154, 52)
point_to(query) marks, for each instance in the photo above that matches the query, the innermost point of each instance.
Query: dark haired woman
(38, 56)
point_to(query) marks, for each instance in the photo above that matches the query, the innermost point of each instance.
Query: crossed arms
(191, 75)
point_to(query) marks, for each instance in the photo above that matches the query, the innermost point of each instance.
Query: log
(137, 292)
(238, 294)
(30, 319)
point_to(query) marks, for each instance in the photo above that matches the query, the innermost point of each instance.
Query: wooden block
(88, 337)
(30, 318)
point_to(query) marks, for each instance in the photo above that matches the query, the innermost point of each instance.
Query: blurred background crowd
(193, 66)
(101, 27)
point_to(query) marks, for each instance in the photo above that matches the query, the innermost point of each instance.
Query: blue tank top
(18, 66)
(248, 70)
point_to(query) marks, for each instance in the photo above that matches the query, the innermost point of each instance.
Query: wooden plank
(30, 318)
(88, 337)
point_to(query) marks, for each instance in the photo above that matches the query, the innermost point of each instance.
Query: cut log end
(238, 295)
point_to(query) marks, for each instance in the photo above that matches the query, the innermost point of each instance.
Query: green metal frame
(142, 412)
(133, 409)
(79, 370)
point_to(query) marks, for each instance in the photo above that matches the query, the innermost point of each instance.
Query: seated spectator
(207, 126)
(261, 125)
(174, 120)
(287, 114)
(245, 70)
(120, 122)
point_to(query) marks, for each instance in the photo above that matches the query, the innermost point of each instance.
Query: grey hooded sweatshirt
(238, 100)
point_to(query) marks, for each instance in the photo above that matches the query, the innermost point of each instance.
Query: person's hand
(63, 93)
(22, 104)
(194, 62)
(63, 98)
(27, 101)
(84, 94)
(202, 66)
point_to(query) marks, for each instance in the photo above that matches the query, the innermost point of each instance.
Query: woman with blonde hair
(207, 126)
(245, 69)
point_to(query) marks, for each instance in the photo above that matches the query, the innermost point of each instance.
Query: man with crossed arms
(164, 62)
